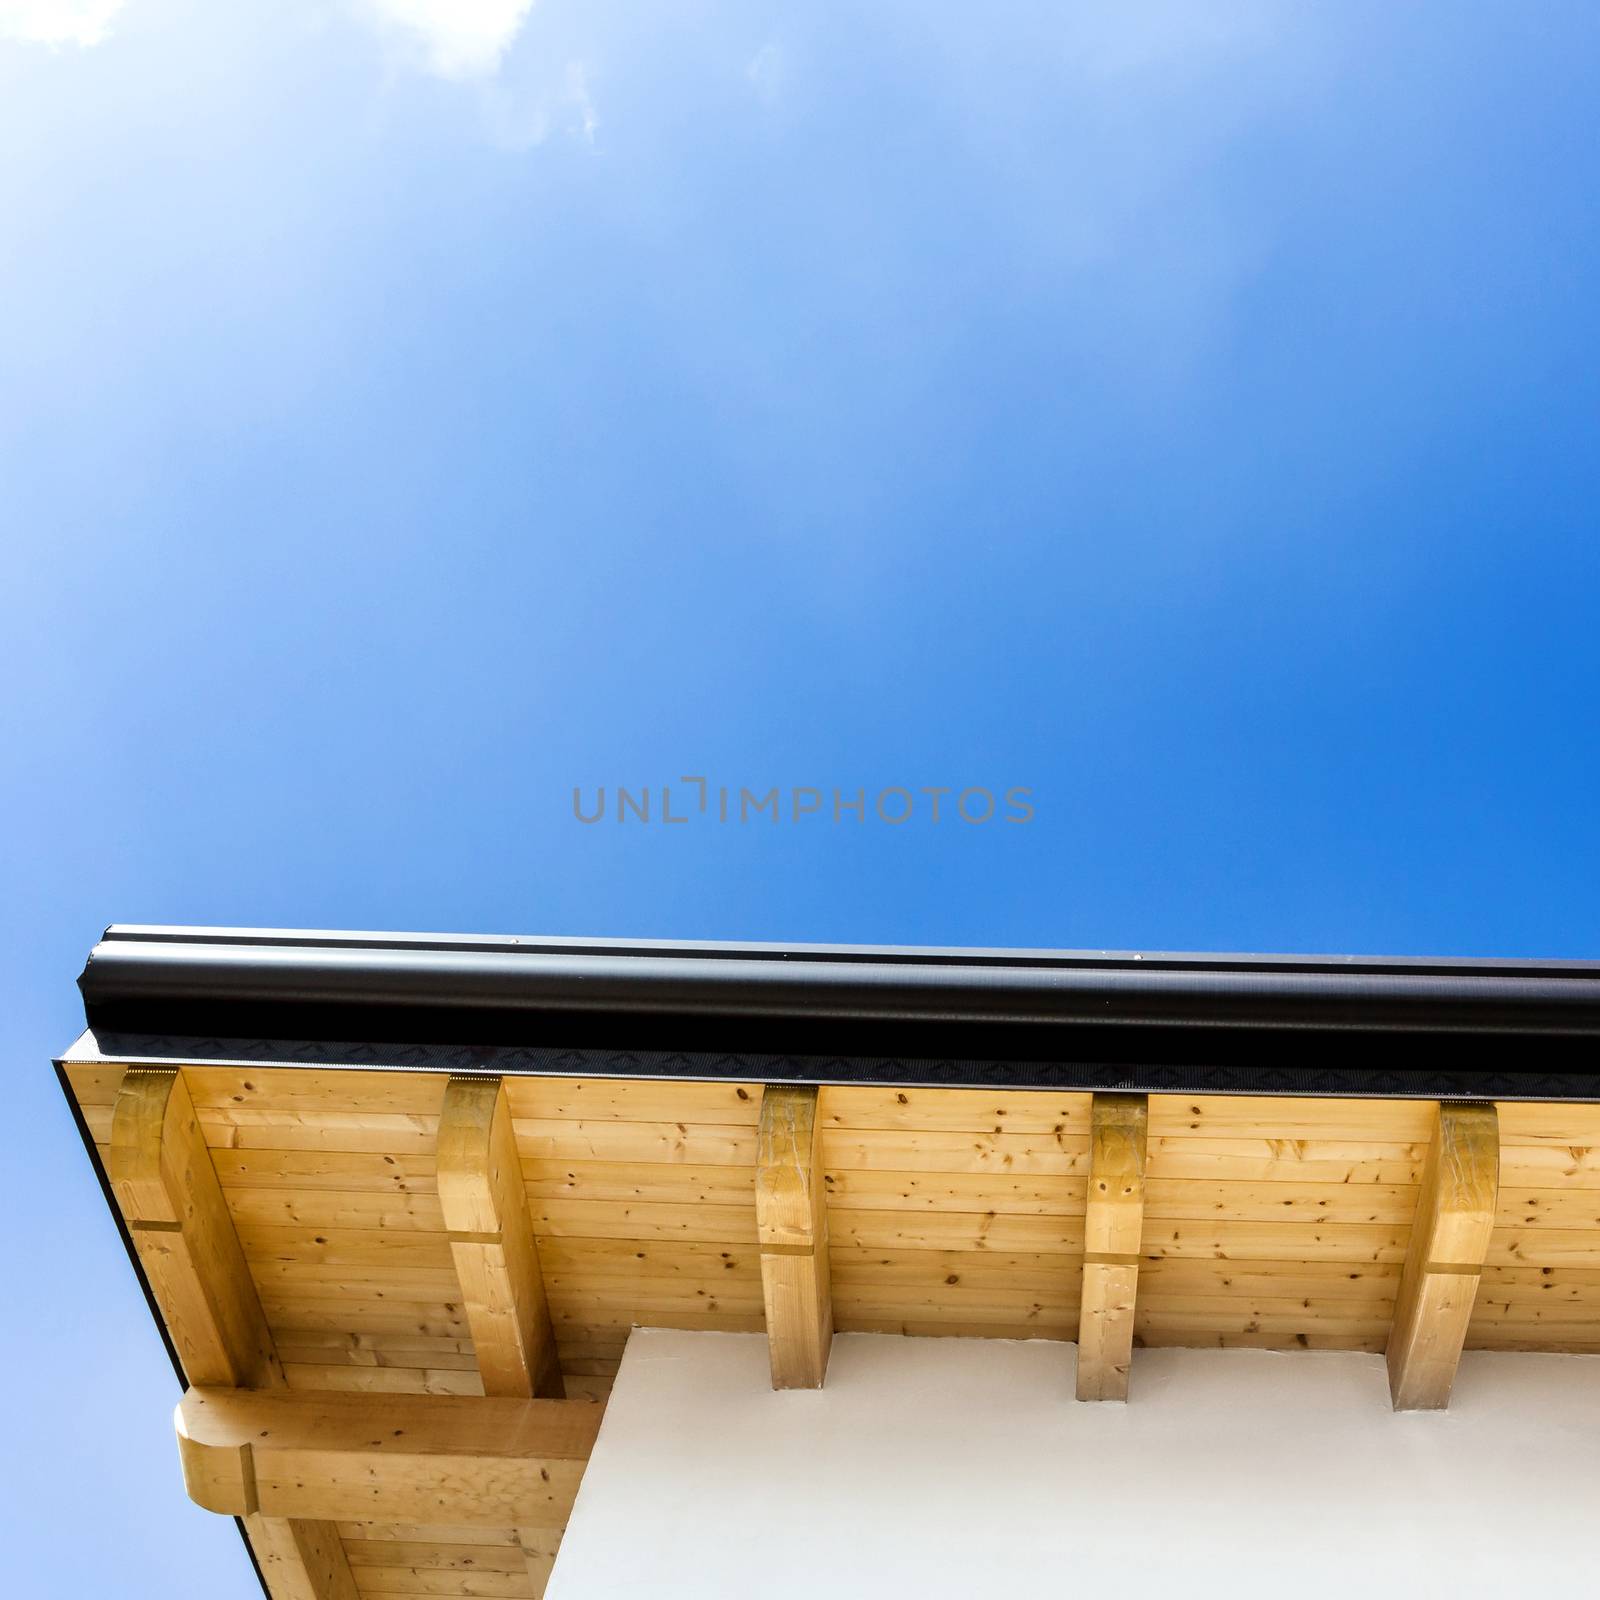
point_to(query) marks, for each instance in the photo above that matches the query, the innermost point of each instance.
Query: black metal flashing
(816, 1013)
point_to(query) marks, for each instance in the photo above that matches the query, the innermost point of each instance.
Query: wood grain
(792, 1227)
(1112, 1227)
(1449, 1240)
(485, 1207)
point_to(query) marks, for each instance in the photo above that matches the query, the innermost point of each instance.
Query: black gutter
(888, 1013)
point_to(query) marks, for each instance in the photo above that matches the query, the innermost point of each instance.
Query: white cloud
(765, 72)
(578, 98)
(461, 38)
(534, 100)
(57, 22)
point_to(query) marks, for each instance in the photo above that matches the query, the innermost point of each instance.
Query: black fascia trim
(164, 975)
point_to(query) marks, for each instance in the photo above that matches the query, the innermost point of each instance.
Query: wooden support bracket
(1113, 1226)
(454, 1459)
(492, 1244)
(792, 1225)
(1449, 1240)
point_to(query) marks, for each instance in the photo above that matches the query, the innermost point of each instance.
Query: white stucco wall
(951, 1467)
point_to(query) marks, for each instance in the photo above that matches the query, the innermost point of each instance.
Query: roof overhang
(439, 1181)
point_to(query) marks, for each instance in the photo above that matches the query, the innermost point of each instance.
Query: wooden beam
(161, 1173)
(301, 1559)
(496, 1257)
(461, 1460)
(792, 1226)
(166, 1186)
(1449, 1240)
(1113, 1226)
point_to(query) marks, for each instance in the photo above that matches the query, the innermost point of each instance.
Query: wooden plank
(340, 1314)
(166, 1186)
(1573, 1312)
(1549, 1166)
(485, 1207)
(344, 1247)
(1198, 1200)
(1581, 1338)
(1544, 1247)
(1112, 1227)
(434, 1556)
(320, 1377)
(1275, 1327)
(969, 1231)
(1449, 1240)
(498, 1461)
(792, 1225)
(1031, 1271)
(704, 1144)
(1027, 1194)
(1307, 1337)
(424, 1558)
(582, 1318)
(1174, 1279)
(593, 1219)
(1272, 1160)
(314, 1089)
(644, 1298)
(641, 1296)
(859, 1106)
(335, 1208)
(635, 1100)
(1225, 1239)
(624, 1259)
(418, 1285)
(1226, 1116)
(95, 1083)
(914, 1322)
(377, 1349)
(986, 1327)
(432, 1533)
(1293, 1310)
(264, 1128)
(378, 1582)
(1559, 1123)
(1536, 1282)
(684, 1183)
(372, 1171)
(1549, 1208)
(920, 1150)
(1055, 1303)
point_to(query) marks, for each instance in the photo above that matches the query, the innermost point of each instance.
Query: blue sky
(410, 412)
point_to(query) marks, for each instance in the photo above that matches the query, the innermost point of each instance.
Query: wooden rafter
(1449, 1240)
(1113, 1226)
(300, 1559)
(166, 1186)
(428, 1459)
(163, 1178)
(492, 1244)
(792, 1225)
